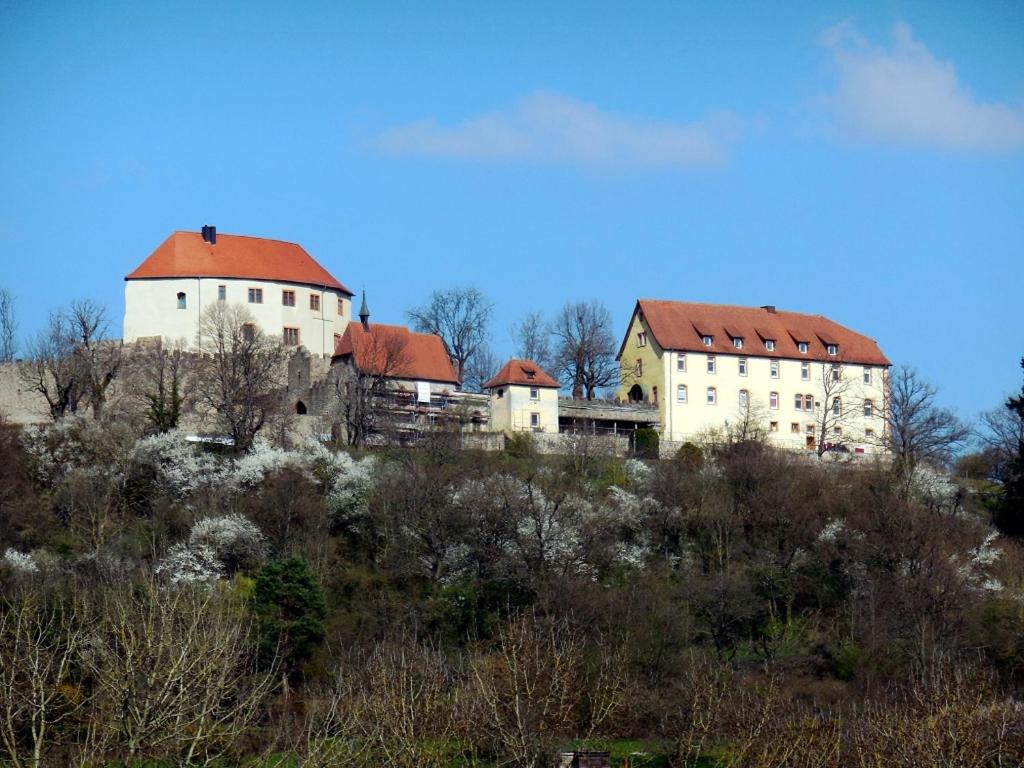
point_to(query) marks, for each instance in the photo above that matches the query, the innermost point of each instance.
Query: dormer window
(833, 349)
(530, 374)
(182, 302)
(738, 342)
(641, 339)
(769, 344)
(708, 341)
(802, 347)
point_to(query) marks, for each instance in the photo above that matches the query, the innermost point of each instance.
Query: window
(769, 344)
(794, 428)
(530, 374)
(773, 426)
(837, 430)
(744, 398)
(802, 347)
(712, 396)
(837, 407)
(681, 393)
(738, 342)
(314, 302)
(836, 373)
(867, 375)
(639, 367)
(798, 402)
(681, 363)
(291, 337)
(341, 306)
(222, 293)
(181, 301)
(654, 394)
(501, 392)
(774, 367)
(743, 366)
(708, 341)
(869, 433)
(869, 408)
(773, 400)
(535, 393)
(288, 298)
(808, 402)
(534, 419)
(810, 429)
(833, 349)
(337, 338)
(249, 332)
(711, 363)
(255, 295)
(805, 371)
(641, 339)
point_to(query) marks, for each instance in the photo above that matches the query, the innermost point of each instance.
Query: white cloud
(903, 94)
(552, 128)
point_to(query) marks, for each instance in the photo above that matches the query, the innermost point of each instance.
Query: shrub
(645, 443)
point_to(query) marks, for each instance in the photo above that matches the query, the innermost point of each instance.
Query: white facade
(522, 408)
(170, 308)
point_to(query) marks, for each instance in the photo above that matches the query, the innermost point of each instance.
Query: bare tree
(173, 675)
(240, 374)
(460, 316)
(362, 391)
(39, 645)
(836, 408)
(51, 368)
(585, 348)
(8, 326)
(479, 368)
(533, 339)
(97, 358)
(917, 429)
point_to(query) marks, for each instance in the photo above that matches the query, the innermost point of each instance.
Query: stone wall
(18, 403)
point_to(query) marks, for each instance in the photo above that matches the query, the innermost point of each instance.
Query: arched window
(837, 406)
(300, 408)
(744, 398)
(182, 303)
(712, 395)
(681, 393)
(869, 408)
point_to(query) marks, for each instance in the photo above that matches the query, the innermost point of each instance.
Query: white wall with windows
(300, 315)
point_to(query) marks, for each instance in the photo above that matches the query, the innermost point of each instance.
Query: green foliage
(520, 445)
(290, 607)
(690, 457)
(645, 443)
(846, 659)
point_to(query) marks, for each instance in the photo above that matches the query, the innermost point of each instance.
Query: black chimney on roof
(209, 234)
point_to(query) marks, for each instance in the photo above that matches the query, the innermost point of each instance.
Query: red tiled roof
(525, 372)
(186, 254)
(396, 352)
(679, 325)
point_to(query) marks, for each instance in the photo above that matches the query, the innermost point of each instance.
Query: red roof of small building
(186, 254)
(396, 353)
(524, 372)
(681, 326)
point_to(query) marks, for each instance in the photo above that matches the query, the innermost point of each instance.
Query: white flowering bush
(352, 483)
(180, 469)
(21, 563)
(250, 470)
(236, 541)
(975, 567)
(187, 564)
(638, 474)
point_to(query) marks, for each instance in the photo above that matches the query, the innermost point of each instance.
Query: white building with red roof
(804, 381)
(289, 294)
(523, 398)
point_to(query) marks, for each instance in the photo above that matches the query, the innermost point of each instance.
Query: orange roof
(524, 372)
(679, 325)
(396, 352)
(186, 254)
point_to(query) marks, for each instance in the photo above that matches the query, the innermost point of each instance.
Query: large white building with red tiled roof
(804, 381)
(288, 293)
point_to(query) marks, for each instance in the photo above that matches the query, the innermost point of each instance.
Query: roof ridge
(247, 237)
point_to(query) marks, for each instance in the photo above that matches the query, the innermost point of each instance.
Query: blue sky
(864, 161)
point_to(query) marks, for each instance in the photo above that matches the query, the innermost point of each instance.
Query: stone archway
(636, 394)
(300, 408)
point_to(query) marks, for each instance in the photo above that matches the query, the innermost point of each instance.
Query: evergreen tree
(290, 606)
(1010, 515)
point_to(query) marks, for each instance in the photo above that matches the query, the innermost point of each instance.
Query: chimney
(209, 234)
(364, 314)
(768, 308)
